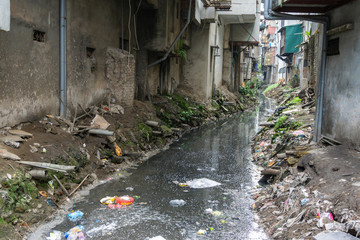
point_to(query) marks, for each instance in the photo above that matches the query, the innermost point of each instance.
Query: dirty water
(219, 152)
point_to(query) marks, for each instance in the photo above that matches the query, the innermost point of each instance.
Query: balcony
(242, 11)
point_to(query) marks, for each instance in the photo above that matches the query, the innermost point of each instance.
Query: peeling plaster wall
(29, 70)
(341, 119)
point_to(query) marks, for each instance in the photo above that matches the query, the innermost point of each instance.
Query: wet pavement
(219, 152)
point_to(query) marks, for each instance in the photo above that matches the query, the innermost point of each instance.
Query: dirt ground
(28, 198)
(307, 188)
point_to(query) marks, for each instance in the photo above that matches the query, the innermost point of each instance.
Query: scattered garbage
(208, 211)
(299, 133)
(117, 150)
(99, 122)
(54, 235)
(75, 216)
(217, 213)
(201, 232)
(177, 203)
(202, 183)
(124, 200)
(157, 238)
(117, 202)
(304, 201)
(107, 200)
(38, 173)
(75, 233)
(33, 149)
(11, 143)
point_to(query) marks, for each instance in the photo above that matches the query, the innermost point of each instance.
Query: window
(38, 36)
(90, 52)
(333, 47)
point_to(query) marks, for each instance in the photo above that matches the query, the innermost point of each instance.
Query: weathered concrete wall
(196, 68)
(219, 41)
(120, 75)
(89, 28)
(342, 87)
(29, 70)
(227, 68)
(5, 15)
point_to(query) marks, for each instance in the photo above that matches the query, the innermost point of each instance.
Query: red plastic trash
(124, 200)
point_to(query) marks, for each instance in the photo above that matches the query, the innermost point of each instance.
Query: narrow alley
(179, 119)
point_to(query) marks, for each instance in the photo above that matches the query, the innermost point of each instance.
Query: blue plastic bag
(75, 216)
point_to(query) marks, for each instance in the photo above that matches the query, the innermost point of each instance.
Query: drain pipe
(269, 14)
(63, 88)
(176, 39)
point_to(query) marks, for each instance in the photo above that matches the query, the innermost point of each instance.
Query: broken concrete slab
(20, 133)
(7, 155)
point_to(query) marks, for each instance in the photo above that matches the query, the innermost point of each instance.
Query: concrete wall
(196, 68)
(5, 15)
(341, 118)
(89, 28)
(29, 70)
(219, 41)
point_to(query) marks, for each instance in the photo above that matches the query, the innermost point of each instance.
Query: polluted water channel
(199, 188)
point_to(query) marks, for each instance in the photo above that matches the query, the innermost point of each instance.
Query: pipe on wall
(269, 14)
(63, 88)
(176, 39)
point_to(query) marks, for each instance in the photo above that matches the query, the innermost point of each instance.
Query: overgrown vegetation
(145, 131)
(180, 51)
(269, 88)
(19, 195)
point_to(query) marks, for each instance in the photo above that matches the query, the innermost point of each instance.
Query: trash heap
(289, 206)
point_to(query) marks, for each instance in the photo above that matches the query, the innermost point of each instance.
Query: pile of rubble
(289, 201)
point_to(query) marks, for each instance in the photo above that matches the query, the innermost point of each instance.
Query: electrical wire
(136, 38)
(129, 23)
